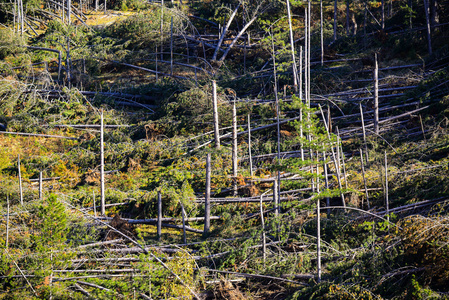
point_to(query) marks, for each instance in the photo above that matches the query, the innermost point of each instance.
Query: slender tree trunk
(300, 74)
(429, 38)
(234, 148)
(225, 29)
(237, 37)
(318, 240)
(335, 20)
(161, 29)
(95, 205)
(20, 180)
(337, 171)
(249, 147)
(215, 108)
(207, 198)
(292, 46)
(275, 197)
(339, 144)
(264, 250)
(22, 18)
(326, 181)
(171, 47)
(14, 14)
(309, 52)
(157, 73)
(7, 222)
(364, 132)
(40, 186)
(434, 15)
(386, 188)
(306, 55)
(364, 178)
(422, 129)
(159, 215)
(184, 234)
(69, 11)
(364, 22)
(376, 95)
(383, 14)
(102, 199)
(321, 32)
(347, 17)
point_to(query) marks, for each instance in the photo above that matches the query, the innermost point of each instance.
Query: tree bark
(215, 108)
(207, 198)
(292, 46)
(376, 94)
(159, 215)
(234, 148)
(335, 20)
(429, 38)
(102, 198)
(225, 29)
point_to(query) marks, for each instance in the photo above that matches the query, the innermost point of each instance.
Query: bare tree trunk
(159, 215)
(171, 47)
(386, 188)
(318, 240)
(364, 178)
(292, 46)
(157, 73)
(264, 247)
(249, 147)
(215, 108)
(40, 186)
(22, 17)
(309, 52)
(429, 41)
(383, 14)
(7, 222)
(14, 14)
(326, 181)
(364, 22)
(237, 37)
(342, 155)
(434, 15)
(422, 129)
(69, 11)
(225, 29)
(102, 199)
(20, 180)
(276, 197)
(335, 20)
(234, 148)
(364, 132)
(161, 29)
(321, 32)
(347, 17)
(184, 234)
(300, 73)
(207, 198)
(337, 171)
(95, 205)
(376, 95)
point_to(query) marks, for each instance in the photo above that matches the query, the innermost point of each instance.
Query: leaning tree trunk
(429, 41)
(335, 20)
